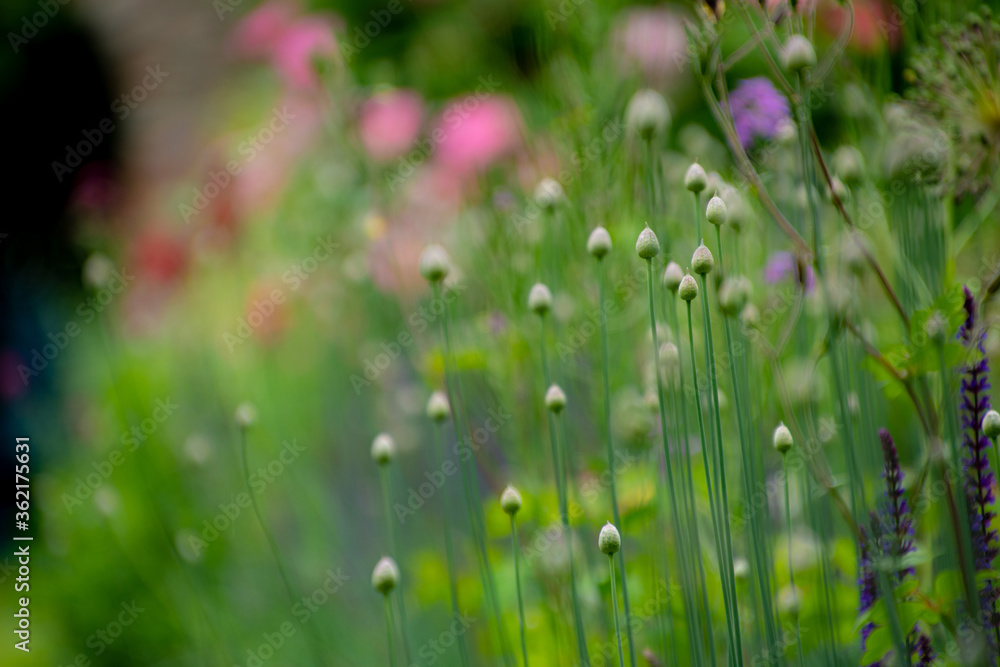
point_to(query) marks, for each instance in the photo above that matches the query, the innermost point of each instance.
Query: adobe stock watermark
(31, 24)
(88, 310)
(247, 150)
(230, 511)
(123, 105)
(130, 441)
(294, 277)
(419, 320)
(465, 449)
(431, 651)
(425, 147)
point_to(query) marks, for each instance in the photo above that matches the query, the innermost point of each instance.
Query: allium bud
(688, 289)
(434, 263)
(548, 193)
(672, 276)
(385, 576)
(510, 500)
(782, 438)
(733, 295)
(98, 270)
(716, 212)
(555, 399)
(991, 424)
(695, 179)
(540, 299)
(383, 449)
(838, 188)
(438, 408)
(599, 242)
(670, 359)
(741, 568)
(798, 54)
(702, 261)
(609, 540)
(246, 415)
(750, 316)
(789, 601)
(849, 165)
(647, 114)
(647, 246)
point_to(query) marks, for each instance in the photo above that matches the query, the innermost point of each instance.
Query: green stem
(605, 365)
(614, 606)
(312, 641)
(449, 548)
(388, 629)
(791, 571)
(394, 547)
(517, 580)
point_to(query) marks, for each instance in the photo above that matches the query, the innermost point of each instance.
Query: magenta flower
(758, 109)
(389, 122)
(299, 46)
(784, 265)
(476, 131)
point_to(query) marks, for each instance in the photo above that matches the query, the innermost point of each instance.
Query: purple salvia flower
(975, 402)
(758, 110)
(900, 524)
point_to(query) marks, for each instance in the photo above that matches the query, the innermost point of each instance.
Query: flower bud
(688, 289)
(741, 568)
(695, 179)
(599, 242)
(702, 261)
(991, 424)
(670, 359)
(385, 576)
(438, 408)
(548, 193)
(647, 114)
(782, 438)
(609, 540)
(246, 415)
(733, 295)
(672, 276)
(750, 316)
(540, 299)
(383, 449)
(98, 270)
(716, 212)
(510, 500)
(849, 165)
(798, 54)
(647, 246)
(555, 399)
(789, 600)
(434, 263)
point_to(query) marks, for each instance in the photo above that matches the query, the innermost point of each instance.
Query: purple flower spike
(900, 524)
(758, 109)
(785, 265)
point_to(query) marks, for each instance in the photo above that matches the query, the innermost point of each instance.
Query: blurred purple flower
(758, 109)
(784, 265)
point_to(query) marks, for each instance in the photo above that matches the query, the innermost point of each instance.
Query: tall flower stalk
(510, 502)
(609, 542)
(385, 577)
(783, 443)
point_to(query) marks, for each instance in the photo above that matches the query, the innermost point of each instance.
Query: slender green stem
(614, 606)
(605, 365)
(449, 547)
(697, 218)
(388, 630)
(395, 553)
(726, 566)
(791, 570)
(312, 641)
(517, 580)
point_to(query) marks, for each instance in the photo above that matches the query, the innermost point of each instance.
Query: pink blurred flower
(257, 33)
(389, 123)
(654, 41)
(476, 131)
(876, 25)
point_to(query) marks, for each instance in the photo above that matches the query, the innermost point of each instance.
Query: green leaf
(878, 645)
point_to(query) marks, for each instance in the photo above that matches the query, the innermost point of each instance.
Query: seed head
(798, 54)
(540, 299)
(246, 415)
(385, 576)
(782, 438)
(647, 246)
(702, 261)
(383, 449)
(647, 114)
(599, 242)
(548, 193)
(438, 408)
(609, 540)
(672, 276)
(555, 399)
(688, 289)
(695, 179)
(510, 500)
(434, 263)
(991, 424)
(716, 212)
